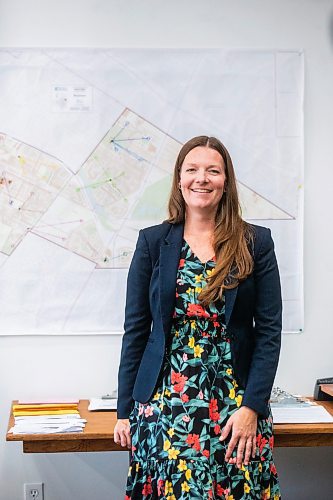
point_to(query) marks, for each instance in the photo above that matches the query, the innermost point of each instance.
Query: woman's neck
(196, 223)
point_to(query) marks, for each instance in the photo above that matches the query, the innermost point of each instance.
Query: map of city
(97, 212)
(88, 143)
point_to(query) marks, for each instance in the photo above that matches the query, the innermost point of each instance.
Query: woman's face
(202, 179)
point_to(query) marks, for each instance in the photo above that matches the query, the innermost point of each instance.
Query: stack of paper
(306, 414)
(295, 409)
(46, 418)
(102, 404)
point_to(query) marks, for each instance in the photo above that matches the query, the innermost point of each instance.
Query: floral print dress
(176, 452)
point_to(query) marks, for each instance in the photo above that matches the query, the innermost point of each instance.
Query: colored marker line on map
(128, 151)
(100, 183)
(22, 160)
(30, 210)
(121, 129)
(93, 185)
(22, 207)
(123, 254)
(147, 138)
(49, 235)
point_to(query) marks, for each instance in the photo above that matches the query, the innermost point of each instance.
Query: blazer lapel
(230, 296)
(169, 260)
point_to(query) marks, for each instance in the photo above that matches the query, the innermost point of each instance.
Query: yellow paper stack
(33, 409)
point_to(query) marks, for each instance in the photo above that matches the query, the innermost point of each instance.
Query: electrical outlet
(33, 491)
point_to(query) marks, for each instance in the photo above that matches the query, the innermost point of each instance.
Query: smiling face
(202, 179)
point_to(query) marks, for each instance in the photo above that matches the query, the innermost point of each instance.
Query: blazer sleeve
(137, 324)
(267, 328)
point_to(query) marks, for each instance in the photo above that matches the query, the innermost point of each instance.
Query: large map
(88, 142)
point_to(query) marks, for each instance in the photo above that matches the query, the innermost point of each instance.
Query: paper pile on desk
(307, 414)
(102, 404)
(294, 409)
(47, 418)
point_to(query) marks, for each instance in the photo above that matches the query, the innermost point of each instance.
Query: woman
(201, 343)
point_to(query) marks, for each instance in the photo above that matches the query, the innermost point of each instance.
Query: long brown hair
(232, 235)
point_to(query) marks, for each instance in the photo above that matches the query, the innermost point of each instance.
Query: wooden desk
(98, 434)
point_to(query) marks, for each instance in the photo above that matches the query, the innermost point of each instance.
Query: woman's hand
(121, 433)
(243, 427)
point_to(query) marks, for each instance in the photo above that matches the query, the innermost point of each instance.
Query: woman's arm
(267, 316)
(267, 327)
(137, 325)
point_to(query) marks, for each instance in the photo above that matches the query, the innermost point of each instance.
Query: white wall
(85, 365)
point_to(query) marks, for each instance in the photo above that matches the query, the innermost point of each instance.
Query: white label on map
(72, 98)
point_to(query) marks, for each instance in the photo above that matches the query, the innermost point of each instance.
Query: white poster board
(88, 141)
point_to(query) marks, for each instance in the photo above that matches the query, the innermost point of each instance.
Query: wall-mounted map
(88, 142)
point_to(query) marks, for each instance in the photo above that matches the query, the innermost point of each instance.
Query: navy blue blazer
(252, 313)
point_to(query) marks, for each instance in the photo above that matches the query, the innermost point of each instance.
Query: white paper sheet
(99, 404)
(48, 424)
(306, 415)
